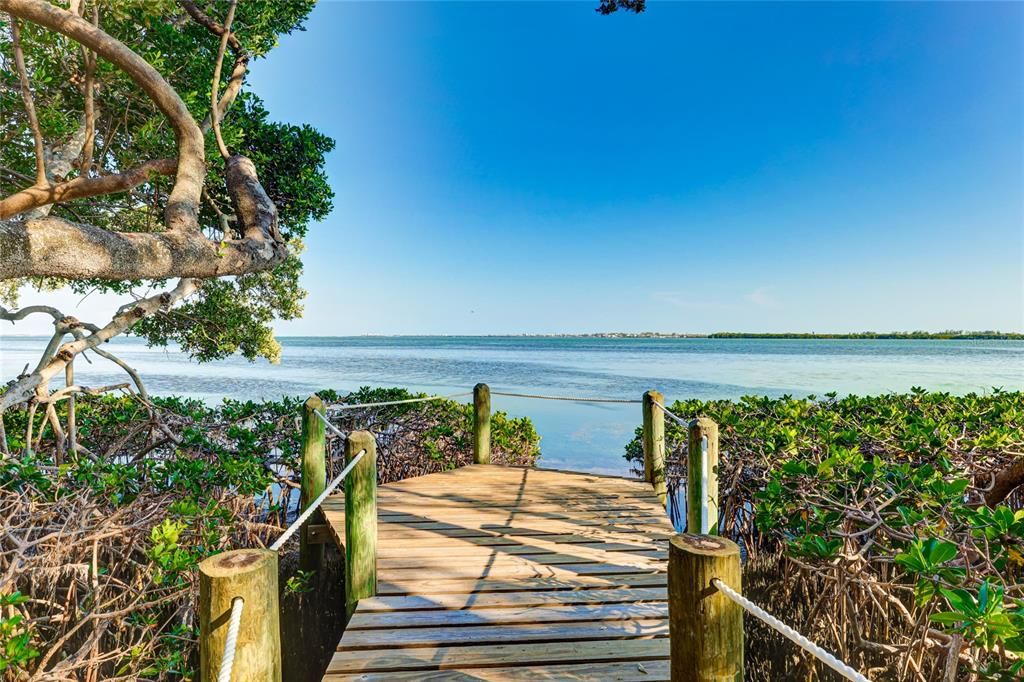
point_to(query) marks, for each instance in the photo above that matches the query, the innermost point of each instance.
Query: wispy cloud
(686, 301)
(763, 298)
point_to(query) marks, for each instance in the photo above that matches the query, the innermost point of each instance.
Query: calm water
(575, 436)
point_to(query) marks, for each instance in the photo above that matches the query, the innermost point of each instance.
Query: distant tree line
(955, 334)
(948, 334)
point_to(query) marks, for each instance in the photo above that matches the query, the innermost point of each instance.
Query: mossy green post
(701, 485)
(481, 424)
(252, 575)
(705, 626)
(360, 520)
(314, 477)
(654, 443)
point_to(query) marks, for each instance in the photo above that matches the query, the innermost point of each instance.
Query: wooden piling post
(360, 520)
(314, 477)
(481, 424)
(252, 575)
(654, 443)
(702, 478)
(705, 626)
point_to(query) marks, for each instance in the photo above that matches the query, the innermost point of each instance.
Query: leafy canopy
(227, 315)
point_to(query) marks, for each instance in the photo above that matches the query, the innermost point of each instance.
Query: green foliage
(232, 470)
(225, 316)
(984, 617)
(612, 6)
(437, 433)
(300, 583)
(16, 649)
(168, 556)
(888, 488)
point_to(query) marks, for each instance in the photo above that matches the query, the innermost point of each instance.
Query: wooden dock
(501, 573)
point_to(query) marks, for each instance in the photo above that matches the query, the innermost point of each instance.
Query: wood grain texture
(502, 573)
(696, 494)
(481, 424)
(654, 444)
(707, 627)
(360, 520)
(314, 478)
(252, 575)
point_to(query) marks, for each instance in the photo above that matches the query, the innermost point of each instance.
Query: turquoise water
(575, 436)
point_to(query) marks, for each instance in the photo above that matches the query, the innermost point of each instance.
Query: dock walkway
(501, 573)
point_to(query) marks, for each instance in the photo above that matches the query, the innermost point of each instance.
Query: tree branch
(1005, 481)
(82, 187)
(183, 203)
(90, 113)
(204, 20)
(26, 97)
(241, 61)
(29, 386)
(54, 247)
(215, 87)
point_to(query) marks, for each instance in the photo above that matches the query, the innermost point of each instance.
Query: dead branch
(34, 385)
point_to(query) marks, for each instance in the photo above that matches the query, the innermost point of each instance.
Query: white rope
(574, 399)
(227, 661)
(304, 516)
(705, 500)
(791, 634)
(675, 418)
(705, 513)
(329, 425)
(400, 402)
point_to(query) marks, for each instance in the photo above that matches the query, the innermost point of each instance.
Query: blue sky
(535, 167)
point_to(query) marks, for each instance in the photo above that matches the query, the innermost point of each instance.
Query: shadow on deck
(499, 573)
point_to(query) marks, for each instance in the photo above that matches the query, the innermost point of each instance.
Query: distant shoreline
(868, 336)
(865, 336)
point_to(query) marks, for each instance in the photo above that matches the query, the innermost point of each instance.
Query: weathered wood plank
(507, 570)
(497, 573)
(488, 537)
(412, 584)
(620, 671)
(592, 532)
(530, 614)
(622, 595)
(496, 655)
(441, 559)
(501, 633)
(536, 545)
(502, 516)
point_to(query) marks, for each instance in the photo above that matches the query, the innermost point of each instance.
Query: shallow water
(582, 437)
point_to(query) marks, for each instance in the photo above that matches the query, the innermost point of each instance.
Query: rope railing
(227, 661)
(536, 396)
(684, 563)
(789, 633)
(221, 573)
(574, 399)
(705, 467)
(674, 417)
(341, 406)
(328, 424)
(315, 504)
